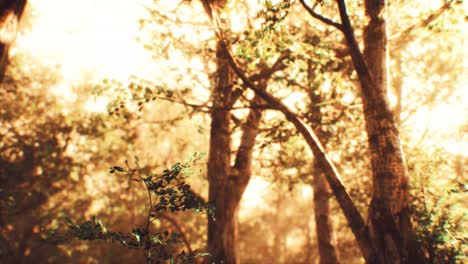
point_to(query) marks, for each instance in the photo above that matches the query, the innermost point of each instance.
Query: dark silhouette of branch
(320, 17)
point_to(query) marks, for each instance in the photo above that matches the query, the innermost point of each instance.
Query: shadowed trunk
(389, 220)
(390, 196)
(227, 183)
(222, 232)
(322, 218)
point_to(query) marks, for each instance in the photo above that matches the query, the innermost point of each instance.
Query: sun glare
(88, 36)
(8, 25)
(253, 196)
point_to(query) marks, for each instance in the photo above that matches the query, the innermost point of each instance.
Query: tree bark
(222, 229)
(389, 220)
(226, 192)
(389, 173)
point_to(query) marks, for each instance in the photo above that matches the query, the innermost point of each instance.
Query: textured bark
(6, 7)
(389, 219)
(320, 186)
(226, 192)
(222, 230)
(389, 174)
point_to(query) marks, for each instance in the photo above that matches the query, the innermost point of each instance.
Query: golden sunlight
(100, 96)
(253, 196)
(88, 36)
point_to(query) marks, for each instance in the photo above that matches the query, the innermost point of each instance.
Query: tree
(389, 174)
(34, 163)
(389, 210)
(228, 182)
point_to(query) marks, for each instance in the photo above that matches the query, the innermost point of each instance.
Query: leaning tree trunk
(320, 186)
(10, 14)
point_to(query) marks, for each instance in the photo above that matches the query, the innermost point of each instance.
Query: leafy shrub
(166, 192)
(439, 225)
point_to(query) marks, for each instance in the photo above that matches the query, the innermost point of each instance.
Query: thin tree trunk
(320, 186)
(323, 226)
(226, 193)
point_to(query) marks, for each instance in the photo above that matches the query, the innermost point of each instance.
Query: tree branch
(404, 37)
(277, 66)
(320, 17)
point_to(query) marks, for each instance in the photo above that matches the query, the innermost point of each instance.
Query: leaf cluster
(440, 227)
(167, 192)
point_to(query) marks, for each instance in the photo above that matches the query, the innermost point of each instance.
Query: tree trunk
(320, 186)
(389, 220)
(222, 234)
(322, 218)
(390, 177)
(8, 7)
(227, 183)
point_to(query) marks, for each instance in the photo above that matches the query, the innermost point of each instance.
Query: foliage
(439, 220)
(167, 192)
(439, 227)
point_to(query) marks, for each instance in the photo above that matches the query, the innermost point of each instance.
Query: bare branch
(404, 37)
(320, 17)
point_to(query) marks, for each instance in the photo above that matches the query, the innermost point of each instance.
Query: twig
(402, 38)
